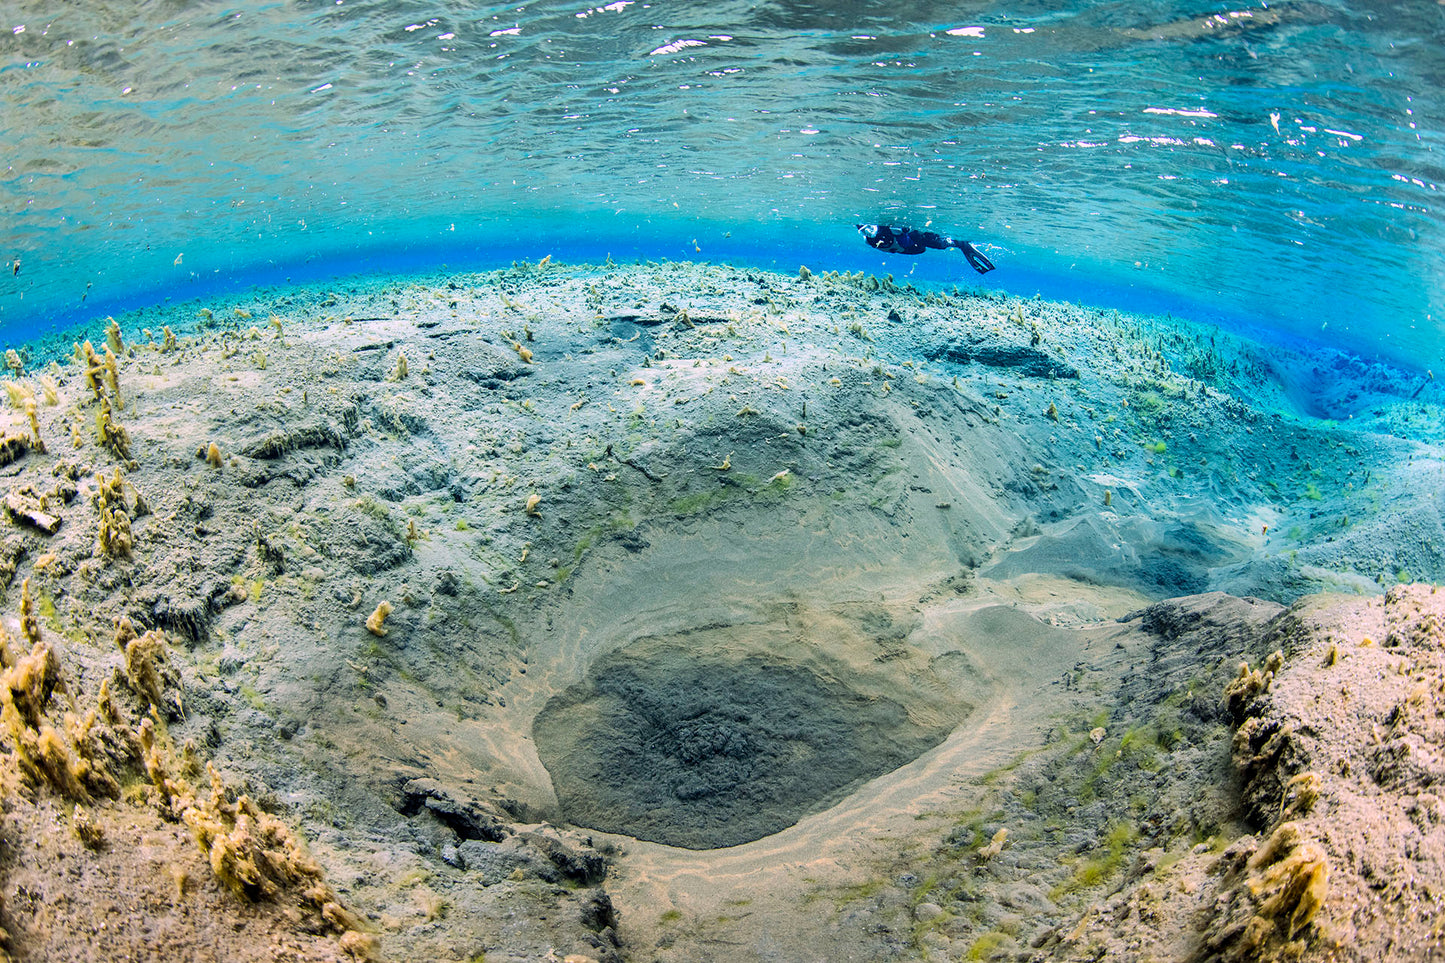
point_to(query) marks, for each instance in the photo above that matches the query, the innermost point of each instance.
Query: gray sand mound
(701, 742)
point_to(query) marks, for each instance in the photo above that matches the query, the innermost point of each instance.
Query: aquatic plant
(376, 622)
(19, 393)
(1292, 875)
(94, 366)
(111, 435)
(112, 337)
(986, 945)
(113, 536)
(1115, 845)
(148, 668)
(112, 377)
(36, 443)
(995, 845)
(1250, 684)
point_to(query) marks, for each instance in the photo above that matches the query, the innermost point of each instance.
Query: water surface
(1275, 165)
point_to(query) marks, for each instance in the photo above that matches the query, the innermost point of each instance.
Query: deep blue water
(1272, 165)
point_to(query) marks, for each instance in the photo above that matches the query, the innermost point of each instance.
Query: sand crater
(723, 735)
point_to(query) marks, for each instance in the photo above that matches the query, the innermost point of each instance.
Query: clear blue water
(1278, 166)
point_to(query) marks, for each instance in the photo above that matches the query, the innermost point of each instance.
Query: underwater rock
(532, 855)
(464, 817)
(1338, 747)
(191, 617)
(582, 867)
(279, 442)
(1162, 561)
(493, 370)
(994, 352)
(493, 862)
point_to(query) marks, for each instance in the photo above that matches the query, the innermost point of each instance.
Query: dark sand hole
(704, 749)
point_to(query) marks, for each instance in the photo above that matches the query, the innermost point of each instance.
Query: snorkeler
(905, 240)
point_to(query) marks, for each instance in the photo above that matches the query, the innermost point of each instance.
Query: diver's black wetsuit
(906, 240)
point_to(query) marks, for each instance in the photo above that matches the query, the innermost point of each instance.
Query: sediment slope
(391, 530)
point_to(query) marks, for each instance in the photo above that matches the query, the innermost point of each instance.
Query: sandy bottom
(674, 612)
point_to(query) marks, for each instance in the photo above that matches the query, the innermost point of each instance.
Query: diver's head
(868, 230)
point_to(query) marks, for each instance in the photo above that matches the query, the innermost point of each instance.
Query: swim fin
(980, 263)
